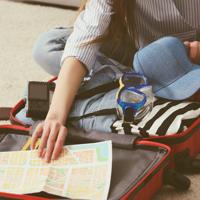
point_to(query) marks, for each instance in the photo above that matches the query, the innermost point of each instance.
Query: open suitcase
(184, 145)
(139, 168)
(180, 150)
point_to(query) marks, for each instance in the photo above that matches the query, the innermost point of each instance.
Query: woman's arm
(77, 59)
(52, 131)
(90, 24)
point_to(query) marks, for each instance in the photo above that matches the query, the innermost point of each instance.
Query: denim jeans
(47, 53)
(49, 47)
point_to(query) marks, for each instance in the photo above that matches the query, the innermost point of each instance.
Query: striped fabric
(157, 18)
(167, 117)
(91, 23)
(154, 19)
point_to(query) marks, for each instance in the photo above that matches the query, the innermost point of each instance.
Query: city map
(82, 172)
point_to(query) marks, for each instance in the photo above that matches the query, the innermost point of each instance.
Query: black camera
(38, 99)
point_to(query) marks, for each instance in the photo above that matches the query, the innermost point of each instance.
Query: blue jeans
(47, 52)
(49, 47)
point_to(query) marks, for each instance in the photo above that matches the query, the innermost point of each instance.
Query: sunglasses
(134, 97)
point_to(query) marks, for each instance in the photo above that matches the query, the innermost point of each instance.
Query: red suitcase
(140, 168)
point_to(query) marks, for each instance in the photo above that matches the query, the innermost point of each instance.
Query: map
(81, 172)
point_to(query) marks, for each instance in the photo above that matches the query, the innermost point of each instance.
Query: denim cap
(168, 69)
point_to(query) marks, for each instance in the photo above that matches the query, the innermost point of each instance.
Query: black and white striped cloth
(166, 118)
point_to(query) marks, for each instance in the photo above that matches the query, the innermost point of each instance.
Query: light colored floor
(20, 25)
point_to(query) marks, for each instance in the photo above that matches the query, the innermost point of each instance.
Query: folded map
(82, 172)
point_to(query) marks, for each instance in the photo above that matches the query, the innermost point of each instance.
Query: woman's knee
(48, 49)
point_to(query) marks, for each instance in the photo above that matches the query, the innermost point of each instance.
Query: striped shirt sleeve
(91, 23)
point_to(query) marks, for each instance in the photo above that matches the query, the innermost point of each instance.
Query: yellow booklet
(82, 172)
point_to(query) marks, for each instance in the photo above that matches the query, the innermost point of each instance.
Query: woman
(115, 28)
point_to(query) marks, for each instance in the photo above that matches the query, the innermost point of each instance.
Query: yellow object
(28, 144)
(121, 85)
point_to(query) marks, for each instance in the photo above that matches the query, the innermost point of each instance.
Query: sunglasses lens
(143, 112)
(131, 96)
(149, 103)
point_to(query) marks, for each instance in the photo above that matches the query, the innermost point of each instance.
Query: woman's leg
(48, 49)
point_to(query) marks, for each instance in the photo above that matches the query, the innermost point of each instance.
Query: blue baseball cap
(168, 69)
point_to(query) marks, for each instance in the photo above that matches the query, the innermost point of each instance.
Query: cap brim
(183, 87)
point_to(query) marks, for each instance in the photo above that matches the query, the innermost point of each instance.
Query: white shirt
(87, 27)
(153, 19)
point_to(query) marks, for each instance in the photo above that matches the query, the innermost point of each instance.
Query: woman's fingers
(43, 153)
(59, 143)
(53, 136)
(194, 48)
(197, 58)
(194, 51)
(45, 136)
(37, 133)
(51, 141)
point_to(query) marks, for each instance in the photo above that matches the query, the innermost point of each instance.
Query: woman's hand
(52, 131)
(194, 51)
(53, 135)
